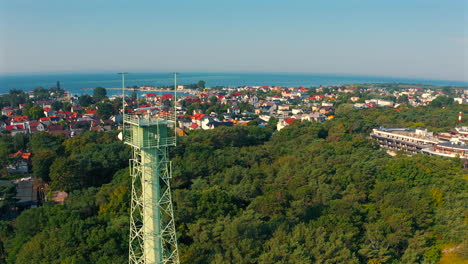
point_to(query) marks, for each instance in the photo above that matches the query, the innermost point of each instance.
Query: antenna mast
(175, 103)
(123, 100)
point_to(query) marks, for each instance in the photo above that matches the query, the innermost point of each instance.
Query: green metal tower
(152, 229)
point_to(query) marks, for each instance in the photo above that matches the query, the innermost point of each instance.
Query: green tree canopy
(36, 112)
(201, 84)
(99, 93)
(85, 100)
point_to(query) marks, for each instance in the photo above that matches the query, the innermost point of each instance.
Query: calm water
(77, 83)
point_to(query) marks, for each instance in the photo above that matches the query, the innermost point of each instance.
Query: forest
(310, 193)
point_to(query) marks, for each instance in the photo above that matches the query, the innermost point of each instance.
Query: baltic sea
(82, 83)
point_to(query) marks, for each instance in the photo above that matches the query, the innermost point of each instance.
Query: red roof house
(289, 120)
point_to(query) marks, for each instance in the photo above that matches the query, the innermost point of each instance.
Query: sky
(400, 38)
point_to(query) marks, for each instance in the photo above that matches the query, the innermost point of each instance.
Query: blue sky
(404, 38)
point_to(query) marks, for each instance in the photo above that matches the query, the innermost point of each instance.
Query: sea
(84, 83)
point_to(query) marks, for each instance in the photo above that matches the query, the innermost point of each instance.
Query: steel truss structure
(152, 228)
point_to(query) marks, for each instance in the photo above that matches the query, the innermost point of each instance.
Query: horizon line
(224, 72)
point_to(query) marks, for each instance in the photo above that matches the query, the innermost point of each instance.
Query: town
(39, 126)
(57, 112)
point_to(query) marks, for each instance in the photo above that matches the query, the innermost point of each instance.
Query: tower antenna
(123, 100)
(175, 103)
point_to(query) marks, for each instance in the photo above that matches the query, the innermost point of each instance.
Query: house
(76, 108)
(296, 111)
(36, 126)
(16, 129)
(59, 196)
(286, 94)
(22, 163)
(57, 128)
(265, 118)
(265, 106)
(91, 112)
(318, 97)
(234, 110)
(314, 116)
(349, 90)
(45, 120)
(214, 124)
(205, 122)
(169, 97)
(54, 127)
(282, 123)
(199, 118)
(360, 106)
(20, 120)
(107, 124)
(193, 126)
(3, 125)
(326, 109)
(302, 89)
(283, 108)
(48, 111)
(7, 110)
(97, 128)
(181, 132)
(383, 103)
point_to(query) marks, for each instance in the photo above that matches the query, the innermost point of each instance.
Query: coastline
(77, 83)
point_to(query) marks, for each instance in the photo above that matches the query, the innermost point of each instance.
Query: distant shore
(79, 83)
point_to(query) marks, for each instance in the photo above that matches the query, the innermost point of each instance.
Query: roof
(218, 124)
(21, 118)
(14, 127)
(97, 128)
(59, 196)
(54, 127)
(198, 116)
(34, 123)
(453, 146)
(24, 155)
(193, 126)
(289, 120)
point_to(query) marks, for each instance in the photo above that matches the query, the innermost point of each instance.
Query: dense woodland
(310, 193)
